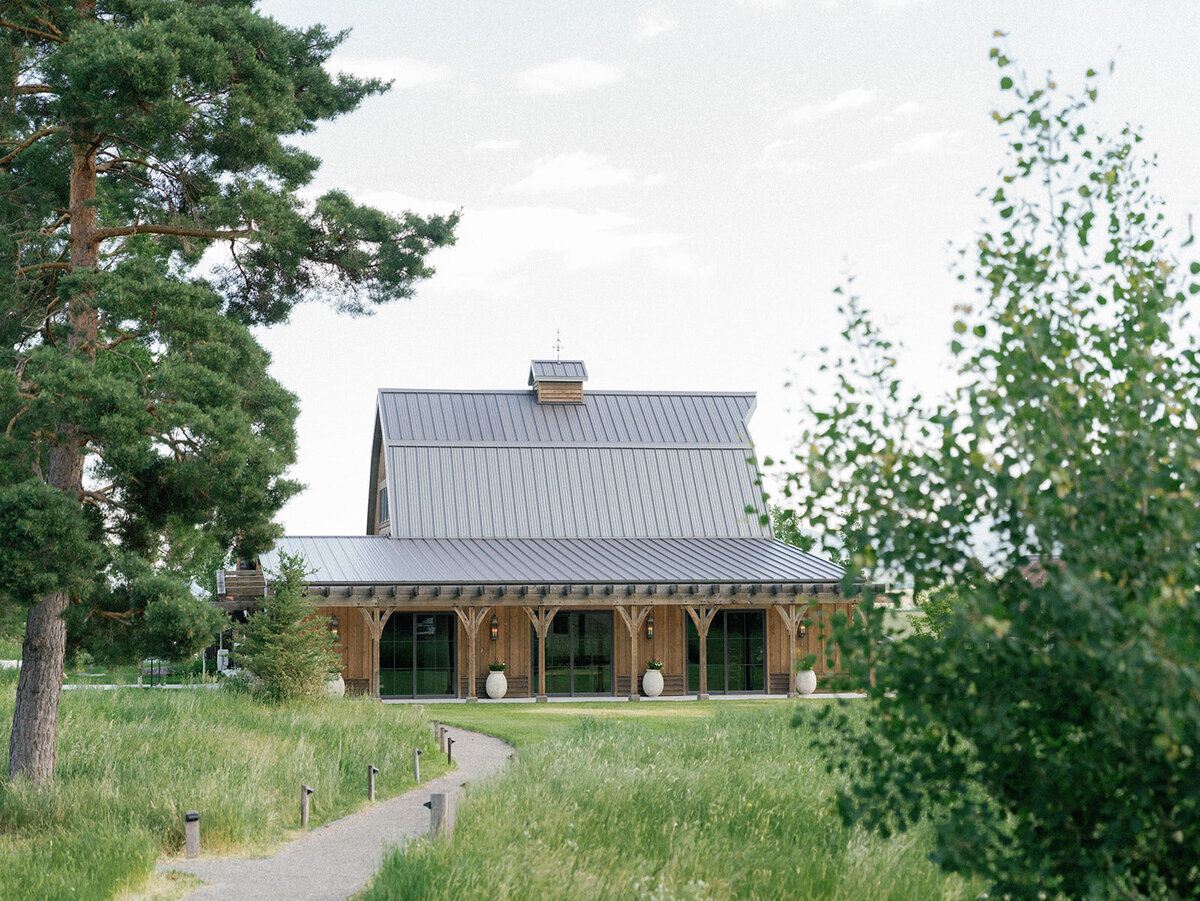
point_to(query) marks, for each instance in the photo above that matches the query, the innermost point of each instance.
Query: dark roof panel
(557, 371)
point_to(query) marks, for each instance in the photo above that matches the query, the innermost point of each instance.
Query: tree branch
(31, 140)
(39, 266)
(34, 89)
(32, 32)
(179, 231)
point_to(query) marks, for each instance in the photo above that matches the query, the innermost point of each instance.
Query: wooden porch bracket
(471, 619)
(633, 619)
(792, 615)
(702, 617)
(541, 618)
(376, 618)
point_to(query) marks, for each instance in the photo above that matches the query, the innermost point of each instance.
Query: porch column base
(541, 699)
(703, 696)
(635, 697)
(472, 700)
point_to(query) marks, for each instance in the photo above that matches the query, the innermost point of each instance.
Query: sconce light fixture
(801, 631)
(495, 628)
(333, 626)
(650, 625)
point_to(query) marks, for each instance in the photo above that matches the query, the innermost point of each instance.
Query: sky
(677, 188)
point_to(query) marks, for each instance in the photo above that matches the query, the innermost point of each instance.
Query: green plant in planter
(654, 664)
(497, 667)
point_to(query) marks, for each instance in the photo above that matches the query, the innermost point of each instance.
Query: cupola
(558, 381)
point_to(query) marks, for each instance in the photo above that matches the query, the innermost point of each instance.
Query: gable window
(383, 503)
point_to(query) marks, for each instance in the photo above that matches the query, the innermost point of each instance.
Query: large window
(736, 652)
(579, 653)
(416, 655)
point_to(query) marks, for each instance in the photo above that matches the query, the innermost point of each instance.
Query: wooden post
(702, 617)
(541, 625)
(471, 618)
(191, 833)
(441, 815)
(376, 618)
(417, 765)
(633, 620)
(371, 771)
(791, 614)
(449, 749)
(305, 791)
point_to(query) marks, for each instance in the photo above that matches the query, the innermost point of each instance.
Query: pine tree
(140, 431)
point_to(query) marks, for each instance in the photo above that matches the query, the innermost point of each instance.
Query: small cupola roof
(558, 381)
(557, 371)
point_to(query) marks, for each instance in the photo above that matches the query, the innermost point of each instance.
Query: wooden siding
(560, 392)
(514, 645)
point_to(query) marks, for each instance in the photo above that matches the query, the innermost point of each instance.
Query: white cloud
(652, 24)
(497, 144)
(905, 109)
(577, 171)
(847, 100)
(928, 142)
(571, 74)
(403, 71)
(785, 157)
(873, 165)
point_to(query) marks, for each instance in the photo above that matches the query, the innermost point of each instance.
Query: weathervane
(558, 344)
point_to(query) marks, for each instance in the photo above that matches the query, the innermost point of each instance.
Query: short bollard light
(371, 771)
(191, 833)
(305, 791)
(417, 765)
(449, 749)
(441, 814)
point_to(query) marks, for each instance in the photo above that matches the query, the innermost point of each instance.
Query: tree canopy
(1050, 729)
(152, 209)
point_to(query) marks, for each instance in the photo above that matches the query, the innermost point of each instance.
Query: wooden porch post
(791, 614)
(376, 619)
(471, 618)
(702, 617)
(541, 624)
(633, 619)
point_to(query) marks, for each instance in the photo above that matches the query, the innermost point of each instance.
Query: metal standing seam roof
(557, 371)
(376, 559)
(496, 464)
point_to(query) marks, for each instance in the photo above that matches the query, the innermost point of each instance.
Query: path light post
(441, 815)
(417, 765)
(305, 791)
(191, 833)
(371, 771)
(449, 749)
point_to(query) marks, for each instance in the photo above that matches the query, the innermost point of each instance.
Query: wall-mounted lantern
(650, 626)
(495, 628)
(333, 626)
(801, 630)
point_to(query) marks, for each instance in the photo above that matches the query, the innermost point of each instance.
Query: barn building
(571, 534)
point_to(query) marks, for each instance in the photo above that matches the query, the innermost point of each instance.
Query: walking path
(336, 861)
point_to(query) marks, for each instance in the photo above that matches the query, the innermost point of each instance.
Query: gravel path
(337, 860)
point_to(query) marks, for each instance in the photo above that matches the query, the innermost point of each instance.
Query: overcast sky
(678, 187)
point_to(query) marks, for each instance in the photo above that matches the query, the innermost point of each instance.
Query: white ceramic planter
(497, 685)
(336, 687)
(806, 682)
(652, 683)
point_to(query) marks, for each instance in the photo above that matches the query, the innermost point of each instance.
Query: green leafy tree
(285, 644)
(1052, 732)
(137, 417)
(787, 529)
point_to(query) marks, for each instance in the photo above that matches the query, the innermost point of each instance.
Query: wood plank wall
(515, 644)
(560, 392)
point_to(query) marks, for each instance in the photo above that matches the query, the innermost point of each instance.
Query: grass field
(658, 801)
(131, 762)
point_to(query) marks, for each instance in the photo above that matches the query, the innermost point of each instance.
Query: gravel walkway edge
(336, 861)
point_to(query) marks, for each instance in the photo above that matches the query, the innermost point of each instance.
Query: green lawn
(130, 762)
(658, 800)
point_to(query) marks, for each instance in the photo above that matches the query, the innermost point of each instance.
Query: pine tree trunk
(35, 716)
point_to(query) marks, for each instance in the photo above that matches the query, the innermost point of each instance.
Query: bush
(286, 645)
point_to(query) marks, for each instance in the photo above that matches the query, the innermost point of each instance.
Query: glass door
(737, 660)
(579, 653)
(416, 655)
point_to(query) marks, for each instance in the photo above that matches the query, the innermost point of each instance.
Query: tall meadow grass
(130, 763)
(734, 804)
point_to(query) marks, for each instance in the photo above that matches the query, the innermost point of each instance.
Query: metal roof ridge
(522, 392)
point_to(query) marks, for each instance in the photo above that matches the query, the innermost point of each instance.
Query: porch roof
(381, 560)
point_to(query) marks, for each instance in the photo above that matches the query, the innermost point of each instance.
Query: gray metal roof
(578, 492)
(557, 371)
(612, 418)
(374, 559)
